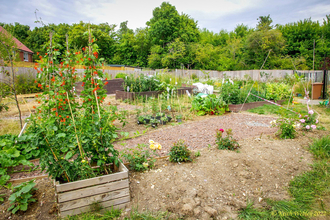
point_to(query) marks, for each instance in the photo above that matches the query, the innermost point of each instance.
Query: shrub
(210, 104)
(25, 84)
(287, 127)
(22, 196)
(226, 143)
(278, 91)
(141, 84)
(235, 92)
(121, 75)
(308, 121)
(300, 87)
(140, 158)
(179, 152)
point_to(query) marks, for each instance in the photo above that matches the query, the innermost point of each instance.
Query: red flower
(34, 107)
(106, 83)
(221, 130)
(37, 53)
(67, 116)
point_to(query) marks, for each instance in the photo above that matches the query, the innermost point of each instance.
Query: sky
(214, 15)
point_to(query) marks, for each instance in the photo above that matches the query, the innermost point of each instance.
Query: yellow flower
(294, 126)
(159, 147)
(152, 147)
(83, 161)
(145, 165)
(151, 141)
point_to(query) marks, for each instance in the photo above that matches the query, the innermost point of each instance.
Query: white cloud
(211, 14)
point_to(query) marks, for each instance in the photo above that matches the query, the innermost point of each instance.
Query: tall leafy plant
(74, 136)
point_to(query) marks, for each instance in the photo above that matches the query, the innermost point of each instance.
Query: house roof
(18, 43)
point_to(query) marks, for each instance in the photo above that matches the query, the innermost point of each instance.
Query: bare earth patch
(219, 182)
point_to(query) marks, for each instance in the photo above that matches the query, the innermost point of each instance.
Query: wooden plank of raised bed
(89, 200)
(93, 181)
(123, 168)
(116, 204)
(89, 191)
(27, 179)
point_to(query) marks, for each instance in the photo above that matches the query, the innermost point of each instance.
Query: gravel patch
(201, 134)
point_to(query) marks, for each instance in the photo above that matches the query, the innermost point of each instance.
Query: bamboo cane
(57, 160)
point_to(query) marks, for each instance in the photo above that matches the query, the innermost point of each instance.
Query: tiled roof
(18, 43)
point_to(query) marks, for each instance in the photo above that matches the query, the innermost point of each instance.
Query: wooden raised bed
(120, 94)
(111, 87)
(108, 191)
(237, 108)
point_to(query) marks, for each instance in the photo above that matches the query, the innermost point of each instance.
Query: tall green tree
(164, 25)
(260, 42)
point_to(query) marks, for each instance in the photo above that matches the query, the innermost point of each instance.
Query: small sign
(127, 88)
(188, 93)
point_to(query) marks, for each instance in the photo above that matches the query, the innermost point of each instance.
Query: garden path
(200, 134)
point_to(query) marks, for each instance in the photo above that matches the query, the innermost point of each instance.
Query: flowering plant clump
(179, 152)
(154, 145)
(140, 158)
(287, 127)
(73, 136)
(226, 143)
(309, 121)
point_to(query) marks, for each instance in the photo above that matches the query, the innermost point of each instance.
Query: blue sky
(214, 15)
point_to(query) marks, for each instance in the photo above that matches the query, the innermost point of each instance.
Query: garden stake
(100, 120)
(57, 160)
(74, 125)
(27, 105)
(97, 103)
